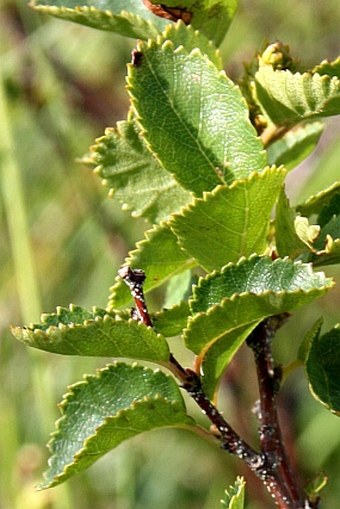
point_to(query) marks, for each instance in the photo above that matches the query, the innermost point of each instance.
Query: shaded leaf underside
(126, 17)
(295, 145)
(219, 355)
(290, 98)
(135, 177)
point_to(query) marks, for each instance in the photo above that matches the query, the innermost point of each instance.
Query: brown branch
(172, 13)
(269, 378)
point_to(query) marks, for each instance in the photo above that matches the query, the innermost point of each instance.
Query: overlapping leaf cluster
(189, 160)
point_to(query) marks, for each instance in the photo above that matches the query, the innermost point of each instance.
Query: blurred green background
(62, 241)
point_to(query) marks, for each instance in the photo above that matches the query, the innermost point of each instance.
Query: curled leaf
(290, 98)
(246, 293)
(75, 331)
(126, 17)
(323, 368)
(134, 176)
(235, 495)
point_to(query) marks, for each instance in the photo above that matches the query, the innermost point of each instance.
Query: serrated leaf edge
(329, 283)
(313, 77)
(59, 312)
(315, 197)
(238, 487)
(243, 259)
(161, 38)
(255, 175)
(166, 45)
(240, 296)
(140, 403)
(98, 319)
(69, 396)
(85, 9)
(105, 182)
(325, 62)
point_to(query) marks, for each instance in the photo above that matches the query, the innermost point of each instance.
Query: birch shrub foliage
(203, 160)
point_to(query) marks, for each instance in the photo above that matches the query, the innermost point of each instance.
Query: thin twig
(191, 382)
(269, 378)
(263, 464)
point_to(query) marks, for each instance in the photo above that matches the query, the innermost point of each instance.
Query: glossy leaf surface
(246, 293)
(231, 221)
(101, 412)
(193, 117)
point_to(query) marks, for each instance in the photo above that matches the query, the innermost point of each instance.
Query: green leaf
(126, 17)
(287, 241)
(306, 232)
(323, 368)
(248, 292)
(290, 98)
(219, 356)
(134, 176)
(326, 248)
(194, 118)
(171, 322)
(234, 497)
(257, 275)
(182, 35)
(101, 412)
(178, 289)
(315, 203)
(308, 339)
(329, 68)
(315, 486)
(328, 242)
(159, 255)
(211, 17)
(75, 331)
(329, 254)
(295, 145)
(231, 221)
(330, 211)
